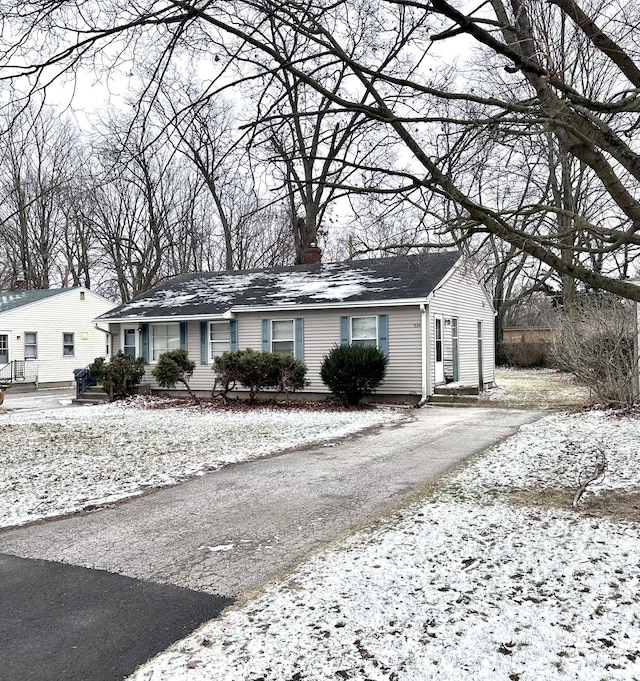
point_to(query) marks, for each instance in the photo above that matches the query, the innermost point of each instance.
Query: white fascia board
(456, 266)
(33, 303)
(461, 262)
(162, 320)
(229, 314)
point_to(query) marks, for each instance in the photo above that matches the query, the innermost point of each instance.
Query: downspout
(426, 374)
(108, 333)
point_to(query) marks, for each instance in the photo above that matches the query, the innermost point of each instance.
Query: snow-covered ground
(463, 585)
(479, 581)
(58, 461)
(537, 389)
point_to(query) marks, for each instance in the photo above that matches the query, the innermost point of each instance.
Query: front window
(438, 339)
(31, 345)
(364, 331)
(165, 337)
(219, 338)
(282, 337)
(68, 345)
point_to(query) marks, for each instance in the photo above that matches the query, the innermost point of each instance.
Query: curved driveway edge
(66, 622)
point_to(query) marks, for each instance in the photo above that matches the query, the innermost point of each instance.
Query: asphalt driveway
(230, 531)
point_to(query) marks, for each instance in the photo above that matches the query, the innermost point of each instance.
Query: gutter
(275, 307)
(107, 333)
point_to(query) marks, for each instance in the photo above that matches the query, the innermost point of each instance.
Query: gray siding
(462, 297)
(321, 333)
(458, 296)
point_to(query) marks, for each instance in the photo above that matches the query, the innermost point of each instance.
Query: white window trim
(35, 345)
(368, 316)
(8, 336)
(72, 344)
(210, 354)
(282, 340)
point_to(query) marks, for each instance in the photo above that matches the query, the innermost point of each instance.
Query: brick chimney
(313, 255)
(20, 283)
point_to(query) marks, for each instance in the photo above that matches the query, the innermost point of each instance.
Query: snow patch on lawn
(61, 461)
(460, 586)
(552, 452)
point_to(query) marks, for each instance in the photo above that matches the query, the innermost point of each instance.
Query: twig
(589, 476)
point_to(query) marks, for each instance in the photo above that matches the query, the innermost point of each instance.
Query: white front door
(439, 350)
(4, 349)
(129, 342)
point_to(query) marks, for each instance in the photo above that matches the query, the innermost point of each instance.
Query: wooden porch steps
(455, 394)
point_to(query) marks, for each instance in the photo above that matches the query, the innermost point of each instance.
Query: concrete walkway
(45, 398)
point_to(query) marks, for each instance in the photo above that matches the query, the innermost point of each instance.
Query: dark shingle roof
(338, 284)
(9, 300)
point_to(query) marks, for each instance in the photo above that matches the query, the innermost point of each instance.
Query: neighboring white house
(46, 334)
(428, 313)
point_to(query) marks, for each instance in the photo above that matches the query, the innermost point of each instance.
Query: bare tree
(37, 168)
(314, 153)
(388, 82)
(138, 204)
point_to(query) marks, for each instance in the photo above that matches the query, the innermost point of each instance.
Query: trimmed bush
(119, 376)
(174, 367)
(353, 371)
(258, 371)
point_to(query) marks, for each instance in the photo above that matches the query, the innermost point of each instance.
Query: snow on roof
(354, 281)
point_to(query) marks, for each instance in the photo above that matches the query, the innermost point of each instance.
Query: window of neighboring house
(68, 344)
(364, 331)
(30, 345)
(165, 337)
(219, 339)
(282, 337)
(129, 342)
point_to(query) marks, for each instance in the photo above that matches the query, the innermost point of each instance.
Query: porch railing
(16, 371)
(83, 380)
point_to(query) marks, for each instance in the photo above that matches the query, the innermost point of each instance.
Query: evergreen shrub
(259, 371)
(353, 371)
(119, 376)
(174, 366)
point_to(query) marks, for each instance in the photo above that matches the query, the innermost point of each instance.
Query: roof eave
(138, 319)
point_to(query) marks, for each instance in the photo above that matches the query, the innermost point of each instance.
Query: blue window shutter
(183, 335)
(204, 343)
(344, 331)
(383, 334)
(145, 342)
(233, 335)
(299, 338)
(266, 335)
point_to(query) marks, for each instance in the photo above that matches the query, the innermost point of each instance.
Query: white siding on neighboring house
(70, 312)
(462, 297)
